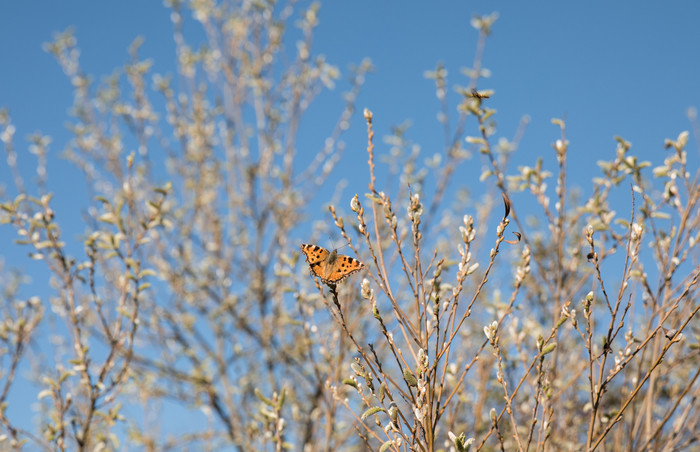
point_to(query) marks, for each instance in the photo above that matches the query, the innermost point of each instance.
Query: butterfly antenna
(333, 238)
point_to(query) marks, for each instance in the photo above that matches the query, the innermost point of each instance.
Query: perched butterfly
(330, 266)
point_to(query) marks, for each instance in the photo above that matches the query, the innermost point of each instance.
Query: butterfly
(330, 266)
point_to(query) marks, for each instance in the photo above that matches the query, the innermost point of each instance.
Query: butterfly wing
(341, 268)
(316, 256)
(329, 266)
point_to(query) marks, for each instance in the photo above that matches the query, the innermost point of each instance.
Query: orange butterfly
(330, 266)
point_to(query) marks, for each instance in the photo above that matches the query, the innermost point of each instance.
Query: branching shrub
(563, 326)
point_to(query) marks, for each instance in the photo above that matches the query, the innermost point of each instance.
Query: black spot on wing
(313, 253)
(316, 269)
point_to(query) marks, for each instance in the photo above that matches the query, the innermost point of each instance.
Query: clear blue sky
(624, 68)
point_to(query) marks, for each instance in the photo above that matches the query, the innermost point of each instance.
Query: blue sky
(623, 68)
(611, 67)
